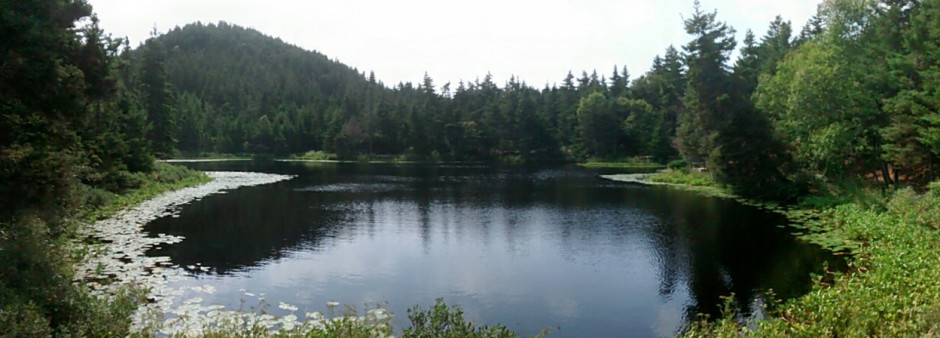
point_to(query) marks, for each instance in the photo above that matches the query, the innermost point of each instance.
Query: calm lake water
(532, 248)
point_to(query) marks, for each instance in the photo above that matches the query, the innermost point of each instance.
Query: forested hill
(851, 94)
(234, 89)
(224, 88)
(242, 69)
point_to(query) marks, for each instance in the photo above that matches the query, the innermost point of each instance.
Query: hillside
(226, 78)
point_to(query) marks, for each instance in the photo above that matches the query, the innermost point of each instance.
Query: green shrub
(677, 164)
(642, 162)
(890, 288)
(37, 294)
(915, 208)
(317, 155)
(684, 177)
(443, 321)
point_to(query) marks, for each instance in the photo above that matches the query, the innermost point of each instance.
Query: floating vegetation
(119, 261)
(647, 179)
(352, 187)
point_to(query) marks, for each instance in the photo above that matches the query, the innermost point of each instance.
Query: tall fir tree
(158, 99)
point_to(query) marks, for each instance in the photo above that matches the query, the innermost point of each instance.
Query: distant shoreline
(198, 160)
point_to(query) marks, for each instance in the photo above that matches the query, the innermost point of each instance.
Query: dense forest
(849, 94)
(854, 93)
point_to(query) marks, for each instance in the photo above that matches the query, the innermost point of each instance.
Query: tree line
(854, 93)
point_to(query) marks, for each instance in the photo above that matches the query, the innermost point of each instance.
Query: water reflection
(527, 247)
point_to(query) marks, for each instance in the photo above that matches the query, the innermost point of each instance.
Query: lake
(529, 247)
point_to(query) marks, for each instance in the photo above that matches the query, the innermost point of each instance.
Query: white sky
(539, 41)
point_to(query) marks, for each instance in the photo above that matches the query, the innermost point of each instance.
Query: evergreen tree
(707, 104)
(775, 45)
(913, 135)
(158, 100)
(63, 126)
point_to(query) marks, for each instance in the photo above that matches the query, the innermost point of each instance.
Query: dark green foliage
(443, 321)
(707, 101)
(677, 164)
(70, 135)
(856, 96)
(158, 100)
(235, 90)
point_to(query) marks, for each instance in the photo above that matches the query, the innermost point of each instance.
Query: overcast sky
(539, 41)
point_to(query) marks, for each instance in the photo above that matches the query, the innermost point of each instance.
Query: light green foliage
(640, 126)
(685, 177)
(918, 208)
(316, 155)
(375, 323)
(677, 164)
(597, 125)
(439, 321)
(889, 289)
(630, 162)
(816, 101)
(444, 321)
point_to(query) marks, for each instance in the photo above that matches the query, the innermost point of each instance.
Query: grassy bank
(100, 204)
(38, 294)
(890, 288)
(627, 163)
(212, 156)
(698, 182)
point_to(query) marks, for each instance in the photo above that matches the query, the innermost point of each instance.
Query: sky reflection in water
(528, 247)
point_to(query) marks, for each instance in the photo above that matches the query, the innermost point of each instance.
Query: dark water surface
(532, 248)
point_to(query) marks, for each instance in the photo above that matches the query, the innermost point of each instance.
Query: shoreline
(644, 179)
(201, 160)
(120, 261)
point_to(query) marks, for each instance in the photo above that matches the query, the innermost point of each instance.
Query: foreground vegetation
(439, 320)
(37, 293)
(854, 95)
(100, 204)
(890, 288)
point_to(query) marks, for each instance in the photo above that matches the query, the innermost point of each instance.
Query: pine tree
(706, 100)
(158, 99)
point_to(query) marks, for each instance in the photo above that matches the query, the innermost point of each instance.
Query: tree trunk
(885, 175)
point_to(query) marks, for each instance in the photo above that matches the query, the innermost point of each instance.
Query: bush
(683, 177)
(889, 290)
(443, 321)
(37, 293)
(677, 164)
(917, 209)
(317, 155)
